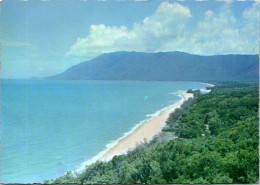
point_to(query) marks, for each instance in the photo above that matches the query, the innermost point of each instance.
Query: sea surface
(50, 127)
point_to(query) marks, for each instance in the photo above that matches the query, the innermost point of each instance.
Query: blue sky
(44, 37)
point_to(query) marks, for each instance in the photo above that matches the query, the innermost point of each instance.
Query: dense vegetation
(217, 143)
(165, 66)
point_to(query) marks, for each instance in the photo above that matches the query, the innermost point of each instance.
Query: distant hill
(165, 66)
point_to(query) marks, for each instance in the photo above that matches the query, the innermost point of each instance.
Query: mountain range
(166, 66)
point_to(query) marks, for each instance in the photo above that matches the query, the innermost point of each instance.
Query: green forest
(217, 142)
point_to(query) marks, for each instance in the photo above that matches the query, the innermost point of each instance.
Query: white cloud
(223, 34)
(208, 14)
(101, 39)
(167, 23)
(251, 13)
(168, 29)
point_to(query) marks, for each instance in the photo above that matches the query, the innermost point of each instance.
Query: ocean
(49, 127)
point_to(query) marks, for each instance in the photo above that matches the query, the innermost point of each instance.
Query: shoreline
(131, 139)
(118, 147)
(145, 132)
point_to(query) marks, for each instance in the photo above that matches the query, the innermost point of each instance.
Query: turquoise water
(50, 127)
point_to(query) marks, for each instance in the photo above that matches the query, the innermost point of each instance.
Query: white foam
(115, 142)
(108, 147)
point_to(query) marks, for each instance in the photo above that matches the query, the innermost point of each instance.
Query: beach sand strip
(145, 132)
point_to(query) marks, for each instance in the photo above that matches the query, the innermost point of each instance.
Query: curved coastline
(142, 132)
(146, 131)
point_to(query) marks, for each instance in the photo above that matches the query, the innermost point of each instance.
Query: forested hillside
(164, 66)
(217, 143)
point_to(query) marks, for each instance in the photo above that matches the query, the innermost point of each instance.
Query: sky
(40, 38)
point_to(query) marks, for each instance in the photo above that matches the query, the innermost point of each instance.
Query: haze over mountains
(165, 66)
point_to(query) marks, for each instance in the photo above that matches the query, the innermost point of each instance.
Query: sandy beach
(145, 132)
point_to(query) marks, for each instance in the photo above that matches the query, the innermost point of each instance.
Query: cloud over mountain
(168, 29)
